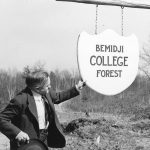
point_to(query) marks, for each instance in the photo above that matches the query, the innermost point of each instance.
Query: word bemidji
(109, 48)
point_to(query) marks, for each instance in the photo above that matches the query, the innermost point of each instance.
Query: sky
(47, 30)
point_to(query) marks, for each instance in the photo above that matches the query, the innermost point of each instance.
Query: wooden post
(122, 3)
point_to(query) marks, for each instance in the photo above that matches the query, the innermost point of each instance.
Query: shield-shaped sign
(108, 62)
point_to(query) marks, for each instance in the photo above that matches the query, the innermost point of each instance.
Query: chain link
(122, 20)
(96, 19)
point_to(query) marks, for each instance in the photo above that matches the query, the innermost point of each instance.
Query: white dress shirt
(40, 109)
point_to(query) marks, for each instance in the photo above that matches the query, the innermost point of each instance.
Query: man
(31, 114)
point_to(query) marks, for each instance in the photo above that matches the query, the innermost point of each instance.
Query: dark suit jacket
(21, 114)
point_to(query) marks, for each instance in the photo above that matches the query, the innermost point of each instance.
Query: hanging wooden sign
(145, 4)
(108, 62)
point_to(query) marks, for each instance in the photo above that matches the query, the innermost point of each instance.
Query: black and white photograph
(74, 75)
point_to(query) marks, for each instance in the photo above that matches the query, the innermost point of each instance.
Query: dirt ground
(96, 131)
(105, 132)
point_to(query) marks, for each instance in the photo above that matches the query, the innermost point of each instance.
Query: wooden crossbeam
(145, 4)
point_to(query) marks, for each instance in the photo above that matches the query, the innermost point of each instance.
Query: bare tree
(145, 68)
(145, 60)
(53, 80)
(11, 83)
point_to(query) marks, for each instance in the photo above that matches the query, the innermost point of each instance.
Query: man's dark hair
(35, 77)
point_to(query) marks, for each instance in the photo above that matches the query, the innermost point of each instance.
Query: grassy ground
(100, 132)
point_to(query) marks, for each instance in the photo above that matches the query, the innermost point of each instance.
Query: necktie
(47, 111)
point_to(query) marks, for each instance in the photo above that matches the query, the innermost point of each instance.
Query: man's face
(45, 88)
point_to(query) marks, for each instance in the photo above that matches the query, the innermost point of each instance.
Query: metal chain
(122, 20)
(96, 19)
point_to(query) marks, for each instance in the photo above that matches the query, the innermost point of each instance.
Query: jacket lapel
(54, 113)
(49, 101)
(32, 105)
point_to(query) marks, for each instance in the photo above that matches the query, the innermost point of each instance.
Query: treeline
(133, 99)
(12, 82)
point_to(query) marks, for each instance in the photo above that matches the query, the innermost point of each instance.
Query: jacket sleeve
(12, 110)
(58, 97)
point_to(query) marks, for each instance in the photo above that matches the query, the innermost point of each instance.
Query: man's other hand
(22, 137)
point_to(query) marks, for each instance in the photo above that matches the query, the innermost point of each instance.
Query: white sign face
(108, 62)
